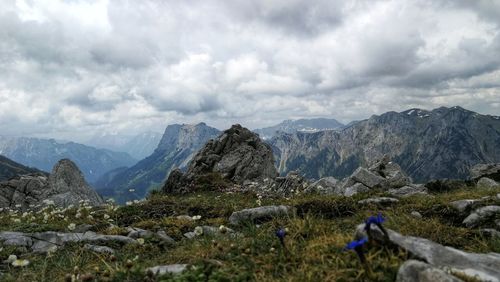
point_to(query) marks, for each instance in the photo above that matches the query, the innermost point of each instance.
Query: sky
(74, 69)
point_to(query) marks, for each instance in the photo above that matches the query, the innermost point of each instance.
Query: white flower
(223, 229)
(11, 258)
(196, 217)
(90, 217)
(140, 241)
(131, 190)
(128, 203)
(258, 202)
(17, 220)
(106, 216)
(71, 226)
(48, 202)
(18, 206)
(20, 262)
(136, 201)
(198, 230)
(78, 215)
(45, 216)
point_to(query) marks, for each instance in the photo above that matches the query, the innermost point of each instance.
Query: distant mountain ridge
(300, 125)
(178, 145)
(442, 143)
(138, 146)
(45, 153)
(9, 169)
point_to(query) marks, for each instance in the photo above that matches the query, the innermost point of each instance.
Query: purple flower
(281, 233)
(378, 220)
(356, 243)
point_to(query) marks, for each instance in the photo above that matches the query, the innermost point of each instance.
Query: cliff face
(442, 143)
(176, 148)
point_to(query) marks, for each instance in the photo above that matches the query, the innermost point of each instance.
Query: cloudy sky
(71, 69)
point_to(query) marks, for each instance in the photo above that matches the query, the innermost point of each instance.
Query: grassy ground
(314, 242)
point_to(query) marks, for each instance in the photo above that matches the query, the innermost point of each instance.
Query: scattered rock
(408, 190)
(383, 201)
(190, 235)
(416, 214)
(355, 189)
(417, 271)
(481, 215)
(391, 171)
(488, 183)
(324, 186)
(465, 205)
(138, 233)
(165, 238)
(485, 267)
(367, 178)
(164, 269)
(486, 170)
(99, 249)
(292, 183)
(82, 228)
(261, 214)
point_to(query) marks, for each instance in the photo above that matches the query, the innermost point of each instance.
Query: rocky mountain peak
(66, 176)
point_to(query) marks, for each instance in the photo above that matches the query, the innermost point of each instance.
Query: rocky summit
(237, 155)
(64, 186)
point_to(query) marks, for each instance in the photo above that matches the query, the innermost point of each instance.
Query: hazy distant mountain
(138, 146)
(300, 125)
(176, 148)
(442, 143)
(45, 153)
(9, 169)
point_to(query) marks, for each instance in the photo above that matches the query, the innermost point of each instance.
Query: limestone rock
(486, 170)
(292, 183)
(417, 271)
(382, 201)
(367, 178)
(484, 267)
(465, 205)
(488, 183)
(99, 249)
(65, 186)
(355, 189)
(481, 215)
(325, 185)
(260, 214)
(408, 190)
(391, 171)
(164, 269)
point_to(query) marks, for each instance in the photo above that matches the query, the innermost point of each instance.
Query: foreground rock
(483, 267)
(481, 215)
(408, 190)
(381, 201)
(64, 186)
(237, 155)
(488, 183)
(383, 174)
(261, 214)
(164, 269)
(417, 271)
(491, 171)
(48, 241)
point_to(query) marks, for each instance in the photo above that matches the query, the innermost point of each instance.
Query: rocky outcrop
(324, 186)
(491, 170)
(481, 215)
(482, 267)
(64, 186)
(383, 175)
(292, 183)
(9, 169)
(408, 190)
(237, 155)
(417, 271)
(261, 214)
(488, 183)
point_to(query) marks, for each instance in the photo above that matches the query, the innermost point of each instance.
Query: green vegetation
(314, 242)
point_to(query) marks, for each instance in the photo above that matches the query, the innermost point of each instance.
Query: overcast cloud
(70, 69)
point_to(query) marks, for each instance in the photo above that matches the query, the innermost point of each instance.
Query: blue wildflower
(378, 220)
(356, 243)
(281, 233)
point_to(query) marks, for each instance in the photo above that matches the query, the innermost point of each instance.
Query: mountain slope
(9, 169)
(300, 125)
(176, 148)
(138, 146)
(442, 143)
(45, 153)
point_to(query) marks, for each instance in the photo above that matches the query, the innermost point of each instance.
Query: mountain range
(442, 143)
(43, 154)
(138, 146)
(9, 169)
(299, 125)
(176, 148)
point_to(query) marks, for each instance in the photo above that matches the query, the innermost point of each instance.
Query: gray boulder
(292, 183)
(486, 170)
(486, 182)
(260, 214)
(355, 189)
(483, 267)
(99, 249)
(382, 201)
(367, 178)
(417, 271)
(408, 190)
(391, 171)
(325, 186)
(481, 216)
(170, 269)
(465, 205)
